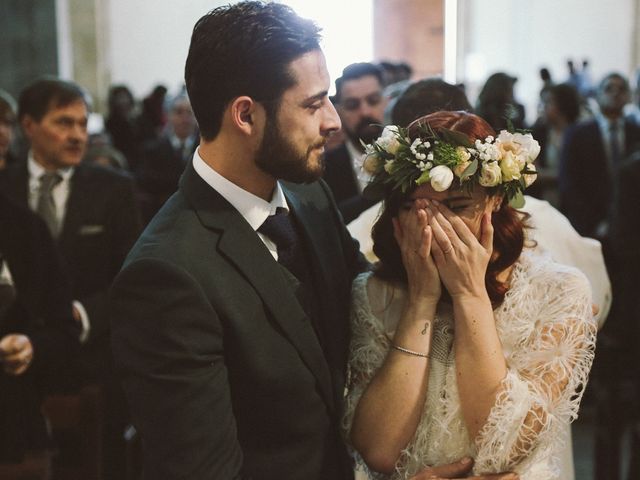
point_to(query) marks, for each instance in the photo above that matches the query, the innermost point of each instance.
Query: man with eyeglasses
(360, 103)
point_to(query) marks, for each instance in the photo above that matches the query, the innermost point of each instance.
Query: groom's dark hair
(244, 49)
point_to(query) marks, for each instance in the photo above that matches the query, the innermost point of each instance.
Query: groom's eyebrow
(315, 98)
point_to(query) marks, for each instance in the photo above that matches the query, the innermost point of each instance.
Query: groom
(230, 316)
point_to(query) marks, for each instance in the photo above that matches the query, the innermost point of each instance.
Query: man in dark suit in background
(90, 211)
(37, 335)
(592, 152)
(360, 103)
(164, 159)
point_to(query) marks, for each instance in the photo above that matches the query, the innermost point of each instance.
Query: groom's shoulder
(317, 192)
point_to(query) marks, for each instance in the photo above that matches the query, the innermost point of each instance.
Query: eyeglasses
(351, 104)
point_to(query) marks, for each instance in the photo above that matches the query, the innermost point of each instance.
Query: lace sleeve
(547, 374)
(368, 349)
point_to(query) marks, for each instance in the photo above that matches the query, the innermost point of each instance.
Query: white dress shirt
(253, 209)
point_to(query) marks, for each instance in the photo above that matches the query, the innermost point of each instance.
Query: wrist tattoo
(427, 325)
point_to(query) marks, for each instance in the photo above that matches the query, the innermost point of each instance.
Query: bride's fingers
(446, 227)
(436, 251)
(425, 244)
(486, 237)
(441, 238)
(459, 227)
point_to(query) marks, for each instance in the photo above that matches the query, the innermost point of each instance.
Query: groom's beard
(281, 159)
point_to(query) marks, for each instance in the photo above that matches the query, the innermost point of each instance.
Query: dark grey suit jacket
(101, 224)
(222, 368)
(586, 178)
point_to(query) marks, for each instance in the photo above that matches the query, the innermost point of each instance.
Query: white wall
(149, 40)
(521, 36)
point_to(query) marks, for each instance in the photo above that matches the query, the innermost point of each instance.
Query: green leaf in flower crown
(456, 138)
(517, 201)
(424, 178)
(470, 170)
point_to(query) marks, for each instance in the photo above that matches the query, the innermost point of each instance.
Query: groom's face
(292, 147)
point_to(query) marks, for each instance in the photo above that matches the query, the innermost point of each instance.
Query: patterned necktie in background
(46, 206)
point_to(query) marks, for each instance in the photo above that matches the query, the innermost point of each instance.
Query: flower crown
(394, 162)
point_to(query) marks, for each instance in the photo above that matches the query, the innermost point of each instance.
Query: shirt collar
(36, 170)
(254, 209)
(605, 123)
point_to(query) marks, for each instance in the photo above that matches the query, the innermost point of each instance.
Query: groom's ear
(245, 114)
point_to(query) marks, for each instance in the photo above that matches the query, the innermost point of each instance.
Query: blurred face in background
(59, 139)
(361, 108)
(181, 118)
(613, 95)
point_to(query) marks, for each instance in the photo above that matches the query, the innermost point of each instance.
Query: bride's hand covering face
(414, 235)
(462, 254)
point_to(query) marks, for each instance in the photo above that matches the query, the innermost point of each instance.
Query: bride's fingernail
(435, 202)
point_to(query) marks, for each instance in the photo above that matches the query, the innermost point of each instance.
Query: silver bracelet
(410, 352)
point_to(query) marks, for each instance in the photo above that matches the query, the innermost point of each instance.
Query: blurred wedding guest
(397, 77)
(592, 152)
(395, 72)
(107, 156)
(618, 400)
(7, 125)
(360, 103)
(37, 333)
(560, 109)
(497, 104)
(120, 123)
(164, 159)
(90, 211)
(152, 119)
(428, 96)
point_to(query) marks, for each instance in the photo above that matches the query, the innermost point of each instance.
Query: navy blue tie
(282, 231)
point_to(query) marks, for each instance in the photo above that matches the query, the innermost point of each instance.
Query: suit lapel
(240, 244)
(78, 190)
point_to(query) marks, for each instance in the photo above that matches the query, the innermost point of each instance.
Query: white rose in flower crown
(529, 178)
(490, 175)
(510, 166)
(529, 146)
(441, 178)
(389, 139)
(460, 168)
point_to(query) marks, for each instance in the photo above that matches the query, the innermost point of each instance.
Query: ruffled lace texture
(548, 334)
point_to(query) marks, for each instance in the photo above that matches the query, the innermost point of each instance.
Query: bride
(464, 342)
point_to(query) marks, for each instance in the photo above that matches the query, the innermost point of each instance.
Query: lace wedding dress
(547, 331)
